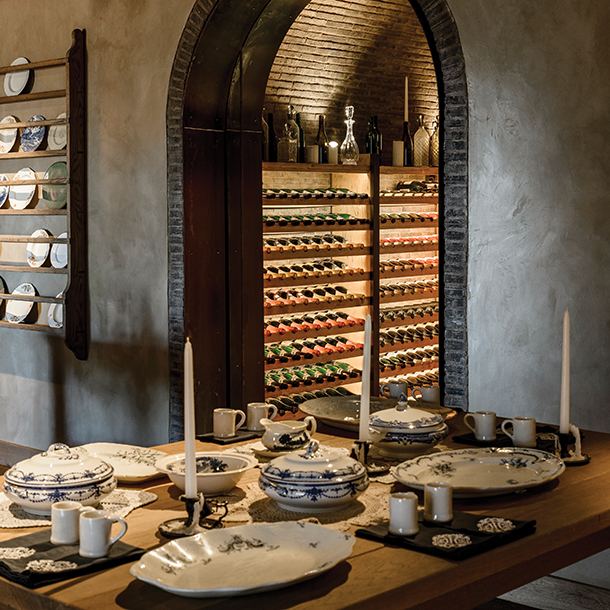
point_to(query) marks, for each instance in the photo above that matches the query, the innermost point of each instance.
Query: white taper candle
(190, 468)
(365, 398)
(564, 415)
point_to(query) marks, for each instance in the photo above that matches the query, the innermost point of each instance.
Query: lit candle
(406, 98)
(365, 398)
(190, 469)
(333, 153)
(564, 416)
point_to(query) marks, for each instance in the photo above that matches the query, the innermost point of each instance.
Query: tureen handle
(311, 450)
(56, 448)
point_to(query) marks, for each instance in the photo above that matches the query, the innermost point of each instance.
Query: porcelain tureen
(58, 474)
(404, 431)
(313, 479)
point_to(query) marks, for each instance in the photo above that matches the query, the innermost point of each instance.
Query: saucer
(260, 450)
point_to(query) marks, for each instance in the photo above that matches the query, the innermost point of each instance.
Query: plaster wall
(121, 392)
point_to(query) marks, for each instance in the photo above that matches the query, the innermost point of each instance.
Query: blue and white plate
(3, 190)
(32, 137)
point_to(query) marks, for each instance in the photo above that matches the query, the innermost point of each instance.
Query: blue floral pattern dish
(3, 190)
(480, 472)
(32, 137)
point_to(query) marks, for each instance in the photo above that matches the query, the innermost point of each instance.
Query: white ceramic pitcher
(288, 435)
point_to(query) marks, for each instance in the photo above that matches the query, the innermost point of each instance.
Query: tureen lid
(402, 416)
(313, 464)
(59, 466)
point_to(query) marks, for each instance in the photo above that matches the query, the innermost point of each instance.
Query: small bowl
(217, 472)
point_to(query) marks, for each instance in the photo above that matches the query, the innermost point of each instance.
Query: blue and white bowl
(56, 475)
(313, 480)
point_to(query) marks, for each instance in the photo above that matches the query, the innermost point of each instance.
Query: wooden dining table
(572, 514)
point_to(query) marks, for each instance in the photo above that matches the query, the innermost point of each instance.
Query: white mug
(393, 389)
(257, 411)
(225, 424)
(438, 502)
(427, 394)
(95, 528)
(64, 521)
(403, 514)
(483, 426)
(524, 431)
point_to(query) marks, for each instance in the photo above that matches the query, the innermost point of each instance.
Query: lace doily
(120, 503)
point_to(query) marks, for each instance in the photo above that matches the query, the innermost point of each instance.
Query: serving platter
(20, 195)
(17, 311)
(131, 463)
(37, 253)
(16, 82)
(481, 472)
(245, 559)
(343, 412)
(8, 137)
(32, 137)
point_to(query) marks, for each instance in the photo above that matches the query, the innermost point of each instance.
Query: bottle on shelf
(272, 138)
(265, 138)
(421, 144)
(408, 146)
(301, 147)
(322, 140)
(288, 146)
(349, 152)
(434, 144)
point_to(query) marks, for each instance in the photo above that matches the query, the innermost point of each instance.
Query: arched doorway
(214, 176)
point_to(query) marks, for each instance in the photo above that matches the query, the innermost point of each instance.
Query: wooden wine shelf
(426, 223)
(407, 248)
(313, 228)
(408, 272)
(408, 345)
(309, 252)
(416, 296)
(314, 386)
(319, 168)
(414, 368)
(419, 171)
(308, 334)
(408, 321)
(414, 198)
(276, 310)
(315, 360)
(311, 279)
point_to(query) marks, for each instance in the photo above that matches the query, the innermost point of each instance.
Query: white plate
(3, 190)
(59, 253)
(20, 196)
(16, 82)
(244, 559)
(17, 311)
(480, 472)
(38, 253)
(8, 136)
(55, 315)
(32, 137)
(131, 463)
(57, 135)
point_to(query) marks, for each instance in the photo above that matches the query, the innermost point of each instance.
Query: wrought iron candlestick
(197, 520)
(573, 457)
(360, 452)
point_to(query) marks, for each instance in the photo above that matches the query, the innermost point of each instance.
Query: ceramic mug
(524, 431)
(64, 521)
(393, 389)
(257, 411)
(427, 394)
(225, 424)
(288, 435)
(483, 426)
(95, 529)
(438, 502)
(403, 514)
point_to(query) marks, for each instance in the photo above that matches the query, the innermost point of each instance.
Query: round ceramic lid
(402, 417)
(313, 464)
(59, 466)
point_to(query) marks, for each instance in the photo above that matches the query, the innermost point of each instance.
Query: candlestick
(190, 467)
(406, 99)
(564, 415)
(365, 398)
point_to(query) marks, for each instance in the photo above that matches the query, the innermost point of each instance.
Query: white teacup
(64, 521)
(483, 426)
(95, 528)
(257, 411)
(427, 394)
(393, 389)
(225, 422)
(524, 431)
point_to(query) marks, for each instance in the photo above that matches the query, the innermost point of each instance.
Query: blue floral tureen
(57, 475)
(405, 431)
(313, 479)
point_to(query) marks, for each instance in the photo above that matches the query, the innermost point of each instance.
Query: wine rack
(340, 242)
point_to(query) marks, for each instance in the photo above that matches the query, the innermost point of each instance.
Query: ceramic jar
(405, 431)
(313, 479)
(56, 475)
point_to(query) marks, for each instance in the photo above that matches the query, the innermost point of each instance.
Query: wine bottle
(272, 138)
(370, 142)
(301, 146)
(288, 146)
(322, 141)
(265, 138)
(434, 144)
(408, 146)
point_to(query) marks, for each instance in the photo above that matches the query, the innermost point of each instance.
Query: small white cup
(257, 411)
(95, 528)
(524, 431)
(398, 153)
(225, 424)
(483, 426)
(403, 514)
(438, 502)
(393, 389)
(427, 394)
(312, 153)
(64, 521)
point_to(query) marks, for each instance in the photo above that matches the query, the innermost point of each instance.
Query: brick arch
(445, 46)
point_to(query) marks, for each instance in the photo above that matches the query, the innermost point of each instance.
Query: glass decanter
(349, 149)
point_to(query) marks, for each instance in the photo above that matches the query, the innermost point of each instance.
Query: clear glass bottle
(349, 152)
(288, 146)
(322, 141)
(434, 144)
(421, 144)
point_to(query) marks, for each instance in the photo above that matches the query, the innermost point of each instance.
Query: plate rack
(74, 299)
